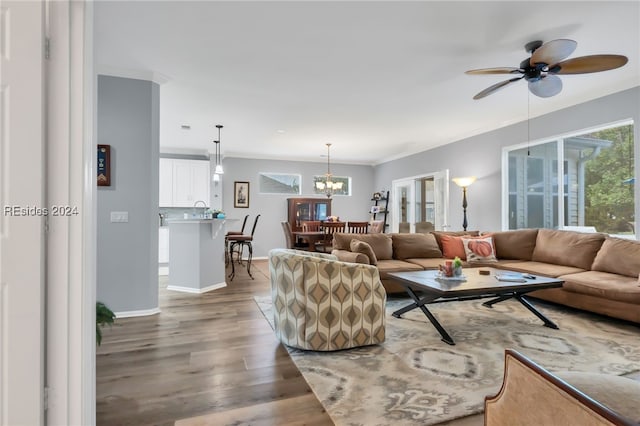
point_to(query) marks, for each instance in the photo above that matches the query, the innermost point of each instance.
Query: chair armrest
(531, 396)
(349, 256)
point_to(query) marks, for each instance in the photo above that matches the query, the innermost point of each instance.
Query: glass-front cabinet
(305, 209)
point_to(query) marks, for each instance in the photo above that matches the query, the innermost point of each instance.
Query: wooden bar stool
(226, 240)
(242, 241)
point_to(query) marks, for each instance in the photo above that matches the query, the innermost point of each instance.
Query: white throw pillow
(479, 249)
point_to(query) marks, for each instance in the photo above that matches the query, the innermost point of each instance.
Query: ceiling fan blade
(587, 64)
(553, 52)
(489, 90)
(501, 70)
(546, 87)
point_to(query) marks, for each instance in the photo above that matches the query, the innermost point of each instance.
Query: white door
(21, 224)
(403, 212)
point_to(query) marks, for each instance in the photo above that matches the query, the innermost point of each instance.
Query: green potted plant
(457, 266)
(104, 316)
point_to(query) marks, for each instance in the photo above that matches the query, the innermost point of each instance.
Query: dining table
(312, 237)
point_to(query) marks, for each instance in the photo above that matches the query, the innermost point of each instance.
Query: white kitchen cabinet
(163, 245)
(183, 182)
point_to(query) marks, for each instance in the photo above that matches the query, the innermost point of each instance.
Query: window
(583, 180)
(279, 183)
(344, 190)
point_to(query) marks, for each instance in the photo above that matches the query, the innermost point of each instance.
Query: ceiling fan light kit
(546, 60)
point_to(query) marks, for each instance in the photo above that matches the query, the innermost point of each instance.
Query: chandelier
(329, 186)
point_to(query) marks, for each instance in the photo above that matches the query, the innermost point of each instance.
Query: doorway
(420, 203)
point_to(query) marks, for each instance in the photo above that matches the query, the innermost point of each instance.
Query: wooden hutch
(304, 209)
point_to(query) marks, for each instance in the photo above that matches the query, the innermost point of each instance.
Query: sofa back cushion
(516, 245)
(408, 246)
(567, 248)
(380, 243)
(618, 256)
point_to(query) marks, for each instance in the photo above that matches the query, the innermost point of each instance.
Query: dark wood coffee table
(475, 286)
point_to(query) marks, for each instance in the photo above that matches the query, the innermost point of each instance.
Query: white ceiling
(379, 80)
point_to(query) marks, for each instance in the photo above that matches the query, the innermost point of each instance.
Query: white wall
(127, 264)
(481, 156)
(273, 207)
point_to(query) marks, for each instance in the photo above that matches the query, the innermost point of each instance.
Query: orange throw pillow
(452, 247)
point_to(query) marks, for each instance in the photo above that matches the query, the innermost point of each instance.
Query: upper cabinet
(183, 182)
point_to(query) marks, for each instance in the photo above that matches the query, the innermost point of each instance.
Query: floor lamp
(464, 182)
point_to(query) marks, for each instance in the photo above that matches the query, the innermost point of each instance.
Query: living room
(464, 139)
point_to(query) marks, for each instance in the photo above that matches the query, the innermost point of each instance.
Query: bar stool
(226, 239)
(241, 241)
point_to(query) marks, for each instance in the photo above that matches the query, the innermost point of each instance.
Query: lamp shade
(464, 181)
(219, 170)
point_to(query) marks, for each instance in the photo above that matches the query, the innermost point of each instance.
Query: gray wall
(482, 156)
(273, 208)
(127, 267)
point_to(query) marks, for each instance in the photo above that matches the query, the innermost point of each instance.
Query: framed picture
(104, 165)
(241, 195)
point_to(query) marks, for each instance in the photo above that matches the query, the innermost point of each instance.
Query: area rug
(415, 378)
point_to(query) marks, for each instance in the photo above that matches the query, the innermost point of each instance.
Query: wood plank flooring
(207, 359)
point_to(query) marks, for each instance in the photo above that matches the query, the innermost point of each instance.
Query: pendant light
(218, 170)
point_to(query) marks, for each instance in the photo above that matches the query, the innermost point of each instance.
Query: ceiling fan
(545, 62)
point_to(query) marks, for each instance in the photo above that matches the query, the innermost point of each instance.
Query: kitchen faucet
(196, 205)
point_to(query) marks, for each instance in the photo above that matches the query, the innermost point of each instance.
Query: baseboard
(195, 290)
(140, 313)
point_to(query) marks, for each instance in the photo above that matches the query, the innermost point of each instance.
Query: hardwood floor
(209, 359)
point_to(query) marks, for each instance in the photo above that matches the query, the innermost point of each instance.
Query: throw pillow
(452, 247)
(358, 246)
(479, 249)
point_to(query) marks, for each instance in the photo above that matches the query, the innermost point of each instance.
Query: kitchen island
(196, 254)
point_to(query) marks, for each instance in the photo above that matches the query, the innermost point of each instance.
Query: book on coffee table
(515, 277)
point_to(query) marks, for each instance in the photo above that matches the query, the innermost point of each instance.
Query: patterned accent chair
(323, 304)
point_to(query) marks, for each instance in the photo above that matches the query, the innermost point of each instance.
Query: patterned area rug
(415, 378)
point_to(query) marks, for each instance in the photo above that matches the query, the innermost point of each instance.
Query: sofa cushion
(380, 243)
(603, 284)
(618, 256)
(426, 262)
(518, 244)
(415, 245)
(387, 266)
(479, 249)
(358, 246)
(567, 248)
(539, 268)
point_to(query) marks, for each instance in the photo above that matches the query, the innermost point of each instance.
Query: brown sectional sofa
(600, 272)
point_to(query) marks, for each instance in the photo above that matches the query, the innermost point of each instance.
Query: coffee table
(474, 286)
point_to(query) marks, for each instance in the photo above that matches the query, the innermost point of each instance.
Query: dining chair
(242, 241)
(311, 225)
(329, 228)
(291, 239)
(357, 227)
